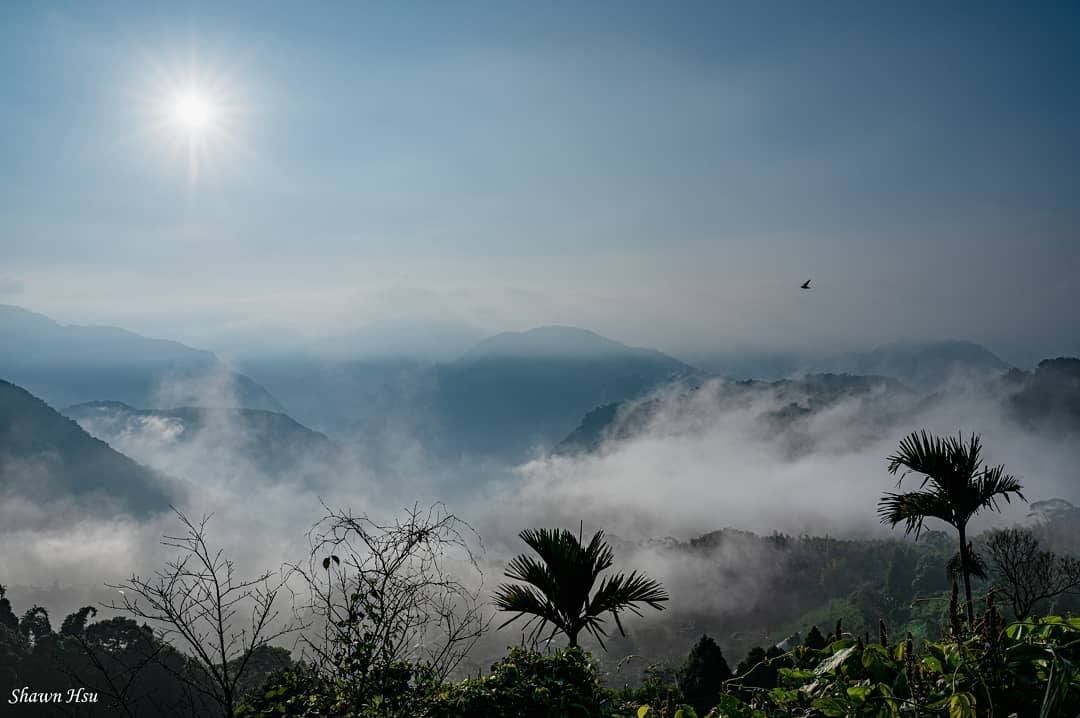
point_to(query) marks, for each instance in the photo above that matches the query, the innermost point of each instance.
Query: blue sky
(664, 173)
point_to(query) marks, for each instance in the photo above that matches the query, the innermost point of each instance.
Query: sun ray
(192, 114)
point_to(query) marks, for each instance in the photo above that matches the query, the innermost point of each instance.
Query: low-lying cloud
(701, 462)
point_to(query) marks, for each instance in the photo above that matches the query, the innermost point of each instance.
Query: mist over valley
(539, 360)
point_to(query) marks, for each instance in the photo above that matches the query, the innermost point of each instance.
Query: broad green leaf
(796, 674)
(831, 707)
(835, 660)
(962, 705)
(858, 693)
(933, 664)
(784, 695)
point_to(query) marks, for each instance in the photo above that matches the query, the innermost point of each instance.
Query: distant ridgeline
(518, 392)
(508, 397)
(1046, 400)
(273, 444)
(46, 458)
(773, 406)
(67, 364)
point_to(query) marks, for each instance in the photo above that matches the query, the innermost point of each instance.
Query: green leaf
(835, 661)
(796, 675)
(731, 707)
(643, 712)
(784, 695)
(962, 705)
(831, 707)
(933, 664)
(1061, 675)
(858, 693)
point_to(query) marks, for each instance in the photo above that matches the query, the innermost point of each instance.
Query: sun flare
(194, 115)
(191, 111)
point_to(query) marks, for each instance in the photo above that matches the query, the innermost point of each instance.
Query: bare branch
(198, 603)
(382, 594)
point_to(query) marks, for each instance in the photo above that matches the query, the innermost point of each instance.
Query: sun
(196, 122)
(194, 117)
(191, 112)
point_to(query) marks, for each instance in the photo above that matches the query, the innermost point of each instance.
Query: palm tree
(955, 486)
(975, 565)
(559, 588)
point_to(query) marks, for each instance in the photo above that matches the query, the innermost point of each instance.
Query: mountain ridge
(69, 364)
(272, 443)
(925, 365)
(792, 400)
(45, 455)
(561, 342)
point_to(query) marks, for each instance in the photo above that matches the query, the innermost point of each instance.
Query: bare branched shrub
(392, 600)
(1027, 574)
(198, 603)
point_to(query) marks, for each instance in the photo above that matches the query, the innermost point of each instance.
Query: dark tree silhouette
(7, 616)
(955, 486)
(559, 586)
(702, 675)
(975, 565)
(35, 626)
(757, 670)
(814, 639)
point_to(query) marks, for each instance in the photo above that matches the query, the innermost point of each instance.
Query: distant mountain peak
(960, 349)
(12, 312)
(924, 365)
(413, 339)
(15, 317)
(67, 364)
(558, 342)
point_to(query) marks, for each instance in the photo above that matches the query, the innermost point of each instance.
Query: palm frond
(567, 574)
(994, 483)
(558, 585)
(966, 457)
(920, 453)
(528, 569)
(599, 554)
(522, 600)
(975, 565)
(555, 547)
(913, 509)
(622, 591)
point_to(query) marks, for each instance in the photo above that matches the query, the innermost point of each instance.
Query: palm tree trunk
(967, 577)
(573, 639)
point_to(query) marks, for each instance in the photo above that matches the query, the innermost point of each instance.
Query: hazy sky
(664, 173)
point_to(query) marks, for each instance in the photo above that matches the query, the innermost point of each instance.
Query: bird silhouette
(805, 285)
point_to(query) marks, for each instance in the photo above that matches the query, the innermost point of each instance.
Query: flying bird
(805, 285)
